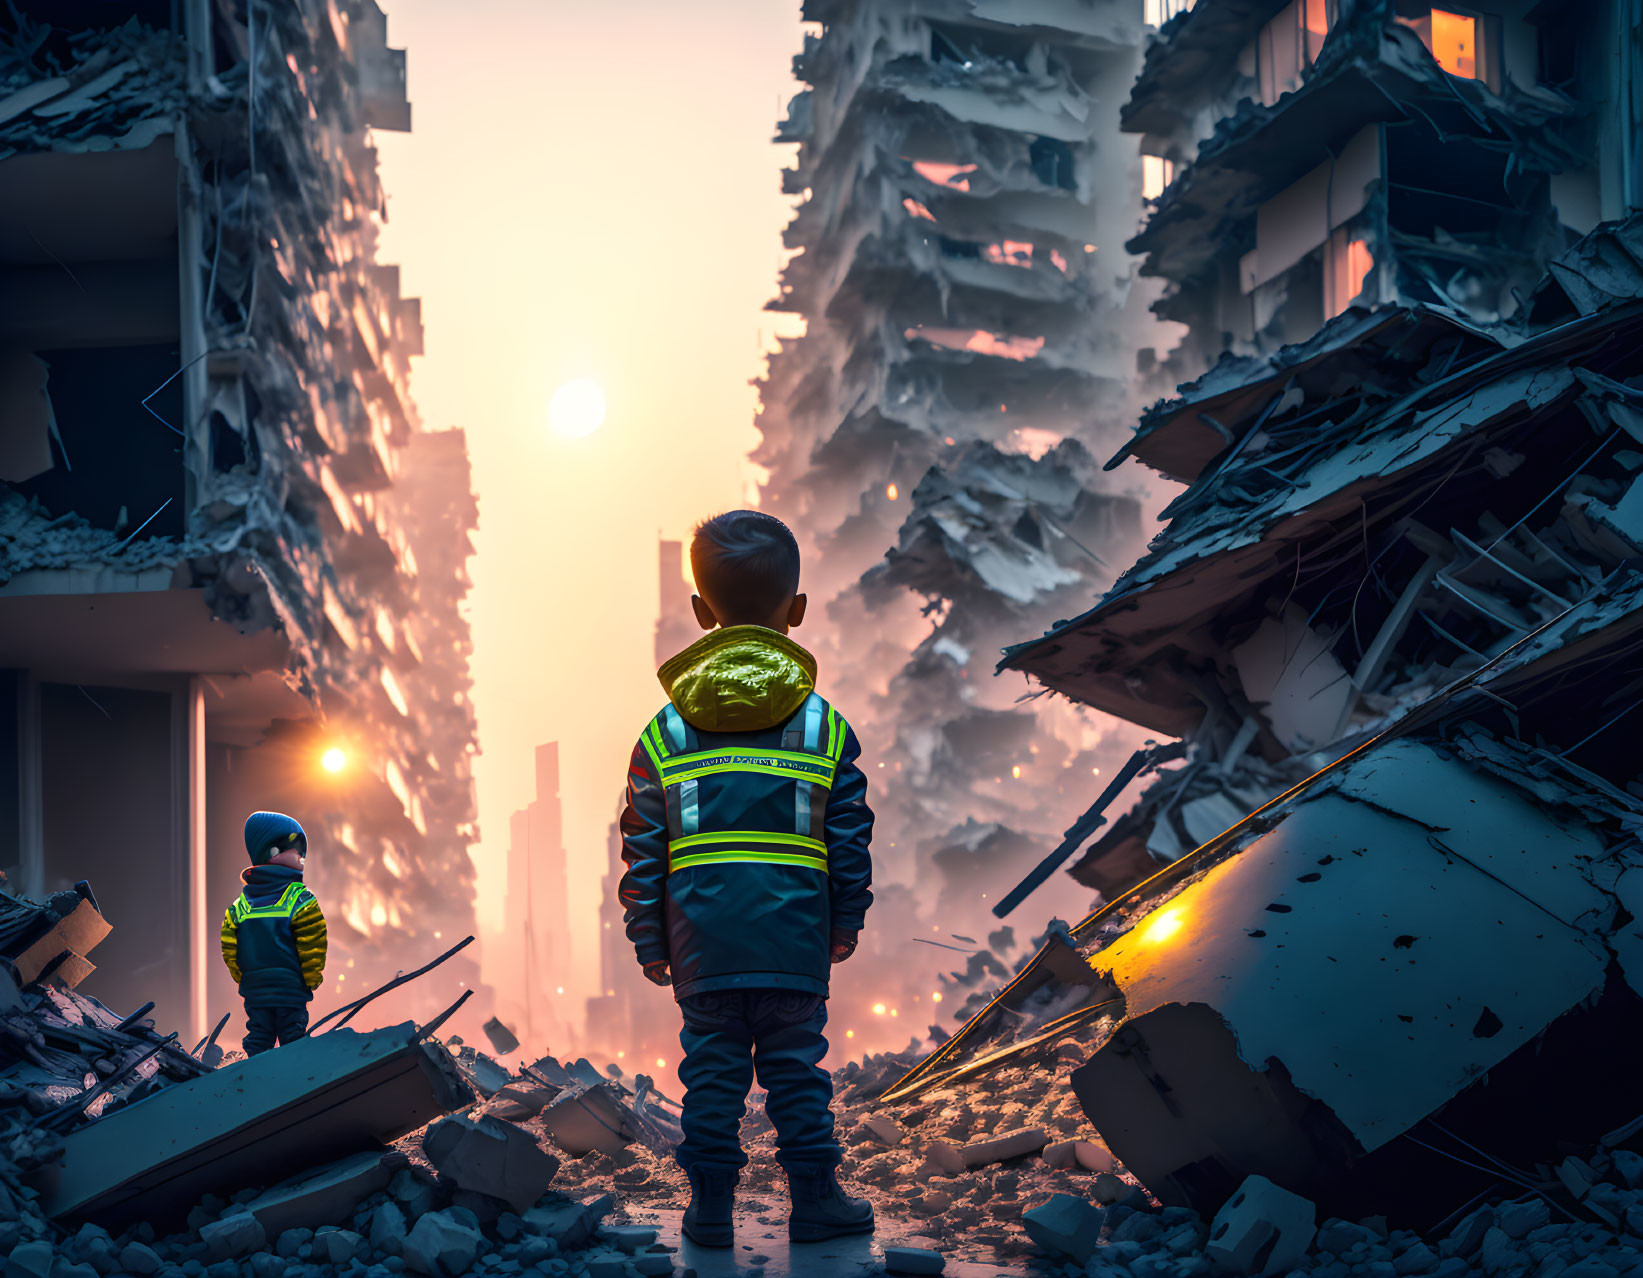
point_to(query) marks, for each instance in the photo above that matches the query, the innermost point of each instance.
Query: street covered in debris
(1213, 435)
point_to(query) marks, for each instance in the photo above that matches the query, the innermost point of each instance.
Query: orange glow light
(849, 1033)
(878, 1009)
(892, 492)
(936, 997)
(333, 760)
(660, 1063)
(1016, 772)
(1163, 927)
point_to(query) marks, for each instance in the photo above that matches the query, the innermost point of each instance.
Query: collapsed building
(230, 557)
(1369, 938)
(957, 260)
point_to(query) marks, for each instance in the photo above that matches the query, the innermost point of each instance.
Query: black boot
(821, 1209)
(707, 1220)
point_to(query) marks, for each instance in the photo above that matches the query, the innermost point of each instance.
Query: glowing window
(1156, 174)
(1454, 40)
(1347, 264)
(1455, 43)
(952, 175)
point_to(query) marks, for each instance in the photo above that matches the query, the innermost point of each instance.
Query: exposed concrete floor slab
(762, 1234)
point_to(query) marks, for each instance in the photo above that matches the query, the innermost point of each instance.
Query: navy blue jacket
(745, 924)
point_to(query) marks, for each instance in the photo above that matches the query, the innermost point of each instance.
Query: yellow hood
(739, 679)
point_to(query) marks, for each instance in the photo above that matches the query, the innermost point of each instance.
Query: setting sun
(577, 409)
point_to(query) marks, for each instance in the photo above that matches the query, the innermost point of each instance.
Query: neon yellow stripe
(749, 836)
(655, 730)
(769, 858)
(704, 756)
(823, 778)
(835, 745)
(655, 762)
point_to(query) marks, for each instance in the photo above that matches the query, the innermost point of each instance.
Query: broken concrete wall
(967, 306)
(227, 418)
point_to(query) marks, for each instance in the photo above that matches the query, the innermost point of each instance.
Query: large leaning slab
(252, 1123)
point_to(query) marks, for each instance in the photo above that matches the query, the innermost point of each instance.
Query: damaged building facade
(230, 556)
(958, 263)
(1370, 935)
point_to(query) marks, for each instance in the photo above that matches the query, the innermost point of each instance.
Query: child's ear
(704, 614)
(795, 610)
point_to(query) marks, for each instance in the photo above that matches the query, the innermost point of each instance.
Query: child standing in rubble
(746, 837)
(273, 935)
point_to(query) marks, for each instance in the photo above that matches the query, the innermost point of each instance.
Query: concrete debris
(884, 1129)
(502, 1038)
(585, 1119)
(51, 939)
(1066, 1225)
(1001, 1148)
(250, 1122)
(328, 1195)
(233, 1236)
(492, 1157)
(1262, 1229)
(441, 1246)
(1091, 1156)
(913, 1260)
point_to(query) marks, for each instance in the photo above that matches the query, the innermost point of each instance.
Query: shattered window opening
(1459, 40)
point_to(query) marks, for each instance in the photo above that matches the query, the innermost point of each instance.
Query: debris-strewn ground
(976, 1213)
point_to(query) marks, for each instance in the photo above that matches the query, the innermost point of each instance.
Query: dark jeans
(728, 1037)
(266, 1025)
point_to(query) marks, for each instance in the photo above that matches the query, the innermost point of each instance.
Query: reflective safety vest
(288, 903)
(748, 805)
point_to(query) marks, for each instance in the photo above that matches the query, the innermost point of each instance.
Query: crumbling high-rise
(970, 332)
(1390, 892)
(230, 559)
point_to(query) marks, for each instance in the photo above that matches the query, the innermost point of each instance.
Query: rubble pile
(215, 473)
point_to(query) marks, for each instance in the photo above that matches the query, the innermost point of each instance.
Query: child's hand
(843, 945)
(656, 973)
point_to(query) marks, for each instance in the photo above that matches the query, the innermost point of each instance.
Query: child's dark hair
(746, 565)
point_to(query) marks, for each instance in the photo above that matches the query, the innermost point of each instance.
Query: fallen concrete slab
(328, 1195)
(252, 1123)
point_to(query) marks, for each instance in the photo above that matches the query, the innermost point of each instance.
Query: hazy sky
(589, 191)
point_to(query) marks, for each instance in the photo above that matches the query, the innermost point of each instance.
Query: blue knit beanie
(269, 832)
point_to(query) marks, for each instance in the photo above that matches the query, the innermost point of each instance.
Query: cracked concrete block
(1263, 1228)
(884, 1129)
(387, 1229)
(1517, 1219)
(326, 1196)
(140, 1259)
(1067, 1225)
(1085, 1154)
(235, 1235)
(913, 1260)
(628, 1238)
(585, 1119)
(491, 1157)
(337, 1246)
(1108, 1188)
(941, 1158)
(30, 1260)
(441, 1247)
(1016, 1144)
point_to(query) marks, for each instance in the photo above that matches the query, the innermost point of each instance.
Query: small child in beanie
(273, 935)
